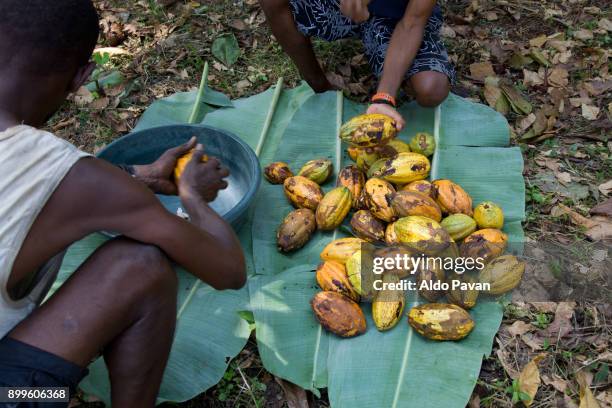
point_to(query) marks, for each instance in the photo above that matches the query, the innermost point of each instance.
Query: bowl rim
(255, 166)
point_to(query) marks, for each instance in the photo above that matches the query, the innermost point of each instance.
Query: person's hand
(158, 176)
(389, 111)
(202, 179)
(356, 10)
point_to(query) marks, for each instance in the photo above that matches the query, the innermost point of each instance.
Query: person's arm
(207, 246)
(403, 47)
(97, 196)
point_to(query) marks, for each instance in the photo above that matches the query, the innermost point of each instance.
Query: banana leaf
(395, 368)
(176, 109)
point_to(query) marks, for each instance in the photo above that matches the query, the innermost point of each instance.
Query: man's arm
(96, 196)
(405, 43)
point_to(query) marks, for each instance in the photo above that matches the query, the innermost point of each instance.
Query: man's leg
(122, 303)
(295, 44)
(430, 88)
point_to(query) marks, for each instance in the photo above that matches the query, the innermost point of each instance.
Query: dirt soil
(543, 64)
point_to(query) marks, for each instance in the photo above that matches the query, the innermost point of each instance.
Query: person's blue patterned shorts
(323, 19)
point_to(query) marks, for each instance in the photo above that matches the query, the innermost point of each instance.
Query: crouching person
(401, 39)
(121, 302)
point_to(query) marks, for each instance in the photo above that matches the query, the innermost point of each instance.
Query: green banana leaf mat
(397, 368)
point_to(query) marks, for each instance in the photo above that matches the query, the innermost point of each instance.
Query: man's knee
(431, 89)
(145, 267)
(155, 267)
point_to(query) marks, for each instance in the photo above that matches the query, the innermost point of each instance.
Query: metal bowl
(146, 146)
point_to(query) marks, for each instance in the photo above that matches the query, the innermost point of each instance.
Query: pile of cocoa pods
(395, 212)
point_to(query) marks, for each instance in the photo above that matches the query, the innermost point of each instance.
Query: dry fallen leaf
(606, 188)
(83, 97)
(601, 230)
(589, 112)
(491, 16)
(583, 34)
(241, 85)
(481, 70)
(557, 382)
(504, 359)
(558, 77)
(523, 123)
(562, 324)
(564, 177)
(295, 396)
(100, 103)
(605, 24)
(529, 379)
(587, 400)
(448, 32)
(519, 328)
(532, 78)
(604, 208)
(538, 41)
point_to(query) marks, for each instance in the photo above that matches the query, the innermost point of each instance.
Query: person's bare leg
(430, 88)
(121, 302)
(295, 44)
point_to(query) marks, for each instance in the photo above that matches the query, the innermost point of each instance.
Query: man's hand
(158, 176)
(202, 179)
(356, 10)
(389, 111)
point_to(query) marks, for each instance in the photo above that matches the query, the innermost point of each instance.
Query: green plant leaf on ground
(292, 345)
(225, 48)
(177, 108)
(211, 329)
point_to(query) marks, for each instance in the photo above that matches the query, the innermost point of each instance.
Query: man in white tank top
(121, 302)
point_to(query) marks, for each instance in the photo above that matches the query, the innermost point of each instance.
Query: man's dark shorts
(22, 365)
(323, 19)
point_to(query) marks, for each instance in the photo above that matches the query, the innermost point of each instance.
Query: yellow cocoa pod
(407, 203)
(296, 230)
(341, 249)
(451, 198)
(277, 172)
(462, 294)
(367, 227)
(419, 186)
(403, 168)
(388, 304)
(368, 130)
(439, 321)
(317, 170)
(363, 157)
(390, 235)
(360, 273)
(489, 215)
(503, 274)
(423, 143)
(459, 225)
(332, 209)
(378, 196)
(392, 149)
(182, 161)
(353, 179)
(429, 277)
(400, 255)
(486, 243)
(302, 192)
(338, 314)
(331, 276)
(422, 233)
